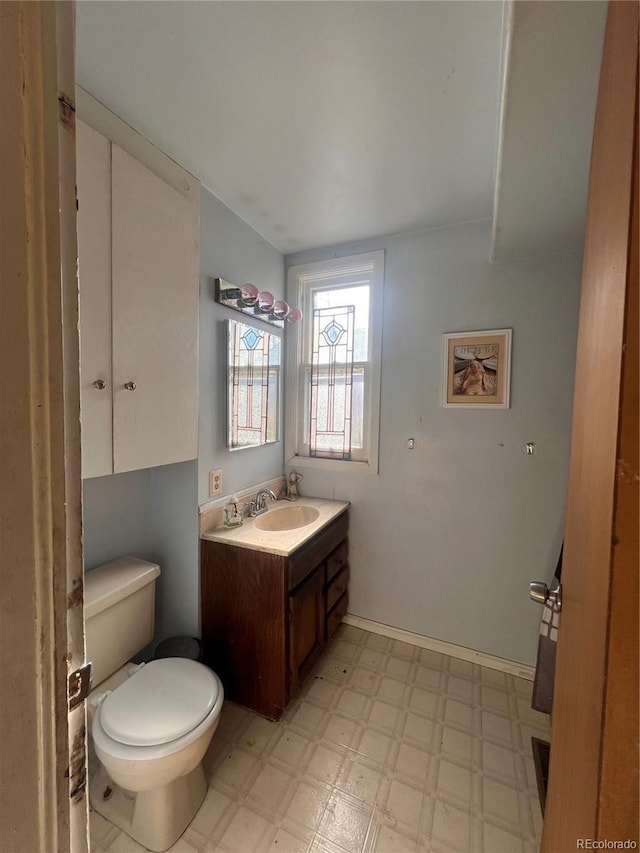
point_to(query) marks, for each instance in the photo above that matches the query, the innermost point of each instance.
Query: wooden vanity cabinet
(266, 618)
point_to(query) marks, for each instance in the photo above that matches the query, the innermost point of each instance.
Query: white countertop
(283, 542)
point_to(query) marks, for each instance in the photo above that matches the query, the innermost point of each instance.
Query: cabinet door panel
(93, 165)
(243, 622)
(155, 274)
(306, 638)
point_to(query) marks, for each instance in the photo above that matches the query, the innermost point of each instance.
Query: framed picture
(477, 369)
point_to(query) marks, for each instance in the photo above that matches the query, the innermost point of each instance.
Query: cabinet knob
(130, 386)
(100, 384)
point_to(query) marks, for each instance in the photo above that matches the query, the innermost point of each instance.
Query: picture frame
(477, 369)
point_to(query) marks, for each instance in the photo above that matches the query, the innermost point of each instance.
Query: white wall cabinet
(138, 247)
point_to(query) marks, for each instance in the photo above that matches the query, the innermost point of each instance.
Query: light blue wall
(173, 523)
(116, 517)
(446, 539)
(230, 249)
(150, 514)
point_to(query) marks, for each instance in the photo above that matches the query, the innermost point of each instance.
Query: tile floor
(389, 748)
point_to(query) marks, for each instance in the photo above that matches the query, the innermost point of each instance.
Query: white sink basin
(286, 518)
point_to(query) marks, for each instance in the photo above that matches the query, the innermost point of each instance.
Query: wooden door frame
(619, 767)
(40, 499)
(583, 801)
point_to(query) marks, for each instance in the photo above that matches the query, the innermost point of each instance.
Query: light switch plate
(215, 482)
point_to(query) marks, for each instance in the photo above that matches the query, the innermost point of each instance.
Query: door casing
(42, 749)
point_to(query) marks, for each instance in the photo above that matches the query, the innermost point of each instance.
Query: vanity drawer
(337, 587)
(315, 552)
(336, 616)
(337, 560)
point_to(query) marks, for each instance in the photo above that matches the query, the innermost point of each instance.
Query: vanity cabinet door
(93, 167)
(306, 626)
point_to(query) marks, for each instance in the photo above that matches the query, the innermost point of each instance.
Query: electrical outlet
(215, 482)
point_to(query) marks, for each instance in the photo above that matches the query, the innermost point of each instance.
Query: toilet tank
(119, 611)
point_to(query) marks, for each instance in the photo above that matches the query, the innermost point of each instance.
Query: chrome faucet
(258, 506)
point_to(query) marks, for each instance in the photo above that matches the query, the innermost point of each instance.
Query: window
(334, 369)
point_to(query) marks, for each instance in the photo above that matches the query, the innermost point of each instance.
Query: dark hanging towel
(542, 698)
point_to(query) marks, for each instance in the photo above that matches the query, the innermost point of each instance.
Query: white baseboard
(520, 670)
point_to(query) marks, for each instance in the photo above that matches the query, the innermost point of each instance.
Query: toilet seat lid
(162, 701)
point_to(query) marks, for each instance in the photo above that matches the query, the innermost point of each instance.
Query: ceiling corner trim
(507, 41)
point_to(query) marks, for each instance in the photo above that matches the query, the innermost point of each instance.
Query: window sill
(331, 465)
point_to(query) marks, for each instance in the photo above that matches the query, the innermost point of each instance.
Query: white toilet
(151, 724)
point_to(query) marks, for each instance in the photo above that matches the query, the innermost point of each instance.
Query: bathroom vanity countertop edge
(281, 542)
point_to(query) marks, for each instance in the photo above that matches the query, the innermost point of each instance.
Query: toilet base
(156, 818)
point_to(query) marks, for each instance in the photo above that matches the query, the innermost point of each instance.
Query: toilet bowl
(157, 725)
(151, 724)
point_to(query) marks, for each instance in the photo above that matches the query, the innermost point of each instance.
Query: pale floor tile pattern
(388, 749)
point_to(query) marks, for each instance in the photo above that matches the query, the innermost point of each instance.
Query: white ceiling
(324, 122)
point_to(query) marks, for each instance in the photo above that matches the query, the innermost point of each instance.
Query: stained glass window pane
(358, 297)
(357, 408)
(331, 381)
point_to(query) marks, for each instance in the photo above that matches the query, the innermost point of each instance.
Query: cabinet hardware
(130, 386)
(541, 594)
(100, 384)
(79, 685)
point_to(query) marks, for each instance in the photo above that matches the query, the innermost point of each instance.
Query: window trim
(299, 278)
